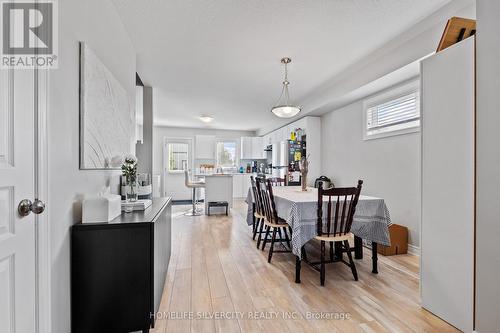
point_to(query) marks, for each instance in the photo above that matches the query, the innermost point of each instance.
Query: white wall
(487, 167)
(389, 167)
(97, 23)
(144, 149)
(175, 182)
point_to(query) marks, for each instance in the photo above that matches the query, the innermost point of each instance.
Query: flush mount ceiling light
(283, 108)
(206, 119)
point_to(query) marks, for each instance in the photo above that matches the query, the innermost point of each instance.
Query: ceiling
(222, 58)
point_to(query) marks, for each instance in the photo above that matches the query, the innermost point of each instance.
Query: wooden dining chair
(277, 181)
(258, 211)
(336, 228)
(260, 228)
(273, 223)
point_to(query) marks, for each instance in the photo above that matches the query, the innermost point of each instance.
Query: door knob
(26, 206)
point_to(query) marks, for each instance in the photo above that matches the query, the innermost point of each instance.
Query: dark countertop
(145, 216)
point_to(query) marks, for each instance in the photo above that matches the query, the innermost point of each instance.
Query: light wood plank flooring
(218, 275)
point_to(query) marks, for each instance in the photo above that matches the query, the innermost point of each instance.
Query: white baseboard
(414, 250)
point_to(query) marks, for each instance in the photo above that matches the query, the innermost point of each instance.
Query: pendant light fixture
(283, 108)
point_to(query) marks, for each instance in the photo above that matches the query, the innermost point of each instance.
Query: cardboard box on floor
(399, 241)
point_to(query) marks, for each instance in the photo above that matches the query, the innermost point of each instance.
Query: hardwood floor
(219, 279)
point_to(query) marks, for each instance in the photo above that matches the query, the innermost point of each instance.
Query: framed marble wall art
(107, 121)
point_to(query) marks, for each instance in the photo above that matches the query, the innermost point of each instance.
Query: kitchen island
(233, 186)
(218, 187)
(241, 182)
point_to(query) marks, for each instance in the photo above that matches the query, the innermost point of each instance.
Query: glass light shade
(206, 119)
(285, 111)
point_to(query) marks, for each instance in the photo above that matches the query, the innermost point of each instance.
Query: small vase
(128, 208)
(131, 195)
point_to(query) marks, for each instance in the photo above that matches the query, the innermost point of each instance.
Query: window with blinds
(394, 115)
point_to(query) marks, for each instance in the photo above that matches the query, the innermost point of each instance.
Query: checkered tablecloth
(371, 220)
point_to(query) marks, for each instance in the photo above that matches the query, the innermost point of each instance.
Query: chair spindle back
(266, 193)
(339, 211)
(259, 209)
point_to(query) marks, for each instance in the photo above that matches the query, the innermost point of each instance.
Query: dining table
(298, 208)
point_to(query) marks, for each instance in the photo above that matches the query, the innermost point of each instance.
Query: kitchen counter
(230, 174)
(252, 174)
(217, 185)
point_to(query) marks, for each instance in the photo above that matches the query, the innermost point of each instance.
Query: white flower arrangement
(129, 168)
(130, 159)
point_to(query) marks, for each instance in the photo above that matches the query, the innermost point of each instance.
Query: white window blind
(397, 114)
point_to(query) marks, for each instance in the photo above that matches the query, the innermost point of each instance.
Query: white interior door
(17, 234)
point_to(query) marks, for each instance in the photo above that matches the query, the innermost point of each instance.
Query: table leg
(297, 269)
(358, 248)
(374, 258)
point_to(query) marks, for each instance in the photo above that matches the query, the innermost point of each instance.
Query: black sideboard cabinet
(118, 270)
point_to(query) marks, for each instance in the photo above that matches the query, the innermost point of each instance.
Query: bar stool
(194, 185)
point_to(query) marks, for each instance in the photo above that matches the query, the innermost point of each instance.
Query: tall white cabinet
(252, 148)
(448, 197)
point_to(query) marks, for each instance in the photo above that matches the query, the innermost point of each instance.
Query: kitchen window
(226, 154)
(178, 156)
(392, 113)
